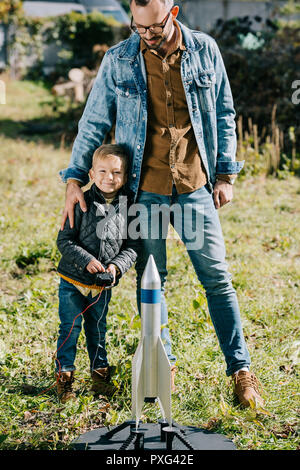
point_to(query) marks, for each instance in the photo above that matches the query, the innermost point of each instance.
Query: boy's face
(109, 174)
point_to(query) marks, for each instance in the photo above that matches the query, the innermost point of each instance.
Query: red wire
(59, 368)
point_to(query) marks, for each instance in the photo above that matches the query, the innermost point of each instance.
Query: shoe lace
(248, 380)
(103, 380)
(101, 376)
(67, 385)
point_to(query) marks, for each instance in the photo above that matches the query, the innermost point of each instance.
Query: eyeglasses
(155, 29)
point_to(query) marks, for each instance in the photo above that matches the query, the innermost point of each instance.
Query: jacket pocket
(128, 102)
(126, 90)
(205, 88)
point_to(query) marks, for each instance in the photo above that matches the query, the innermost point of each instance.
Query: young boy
(96, 244)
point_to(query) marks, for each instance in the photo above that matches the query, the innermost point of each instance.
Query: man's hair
(110, 150)
(144, 3)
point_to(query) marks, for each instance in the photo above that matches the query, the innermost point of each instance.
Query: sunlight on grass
(261, 228)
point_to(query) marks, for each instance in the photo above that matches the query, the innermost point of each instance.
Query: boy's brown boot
(64, 386)
(101, 383)
(246, 387)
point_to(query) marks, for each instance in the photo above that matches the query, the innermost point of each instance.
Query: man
(167, 91)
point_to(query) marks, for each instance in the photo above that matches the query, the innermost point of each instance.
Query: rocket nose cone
(150, 278)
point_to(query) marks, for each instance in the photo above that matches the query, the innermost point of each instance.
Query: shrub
(75, 34)
(262, 66)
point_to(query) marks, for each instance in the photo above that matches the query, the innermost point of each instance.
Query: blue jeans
(71, 304)
(196, 220)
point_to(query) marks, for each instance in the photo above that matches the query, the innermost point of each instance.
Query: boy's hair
(107, 150)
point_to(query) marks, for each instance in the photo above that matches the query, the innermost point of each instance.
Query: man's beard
(160, 42)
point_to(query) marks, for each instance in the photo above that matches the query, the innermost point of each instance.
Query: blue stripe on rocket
(150, 296)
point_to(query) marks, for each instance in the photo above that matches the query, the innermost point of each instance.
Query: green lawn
(261, 228)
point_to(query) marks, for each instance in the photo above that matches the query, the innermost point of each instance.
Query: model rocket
(151, 369)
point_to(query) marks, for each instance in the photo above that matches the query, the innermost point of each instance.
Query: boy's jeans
(197, 222)
(71, 304)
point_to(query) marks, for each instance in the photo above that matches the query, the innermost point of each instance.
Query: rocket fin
(164, 382)
(137, 382)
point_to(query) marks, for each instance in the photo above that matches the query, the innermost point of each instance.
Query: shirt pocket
(205, 88)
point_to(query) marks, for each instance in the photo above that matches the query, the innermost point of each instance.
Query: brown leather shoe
(246, 387)
(64, 386)
(101, 383)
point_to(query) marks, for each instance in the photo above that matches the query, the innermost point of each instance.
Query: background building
(203, 14)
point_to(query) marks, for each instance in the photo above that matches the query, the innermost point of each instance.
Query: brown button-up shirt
(171, 153)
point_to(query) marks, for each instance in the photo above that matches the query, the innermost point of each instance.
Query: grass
(261, 229)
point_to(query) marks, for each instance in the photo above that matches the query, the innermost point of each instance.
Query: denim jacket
(119, 96)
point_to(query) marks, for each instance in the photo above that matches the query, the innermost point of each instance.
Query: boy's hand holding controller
(113, 270)
(95, 266)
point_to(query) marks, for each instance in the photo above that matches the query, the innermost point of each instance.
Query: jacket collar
(97, 195)
(131, 47)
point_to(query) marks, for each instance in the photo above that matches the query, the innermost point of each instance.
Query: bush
(9, 10)
(262, 66)
(75, 34)
(79, 33)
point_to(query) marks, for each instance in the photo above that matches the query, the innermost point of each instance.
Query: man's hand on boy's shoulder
(74, 194)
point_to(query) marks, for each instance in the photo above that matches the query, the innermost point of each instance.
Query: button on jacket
(120, 96)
